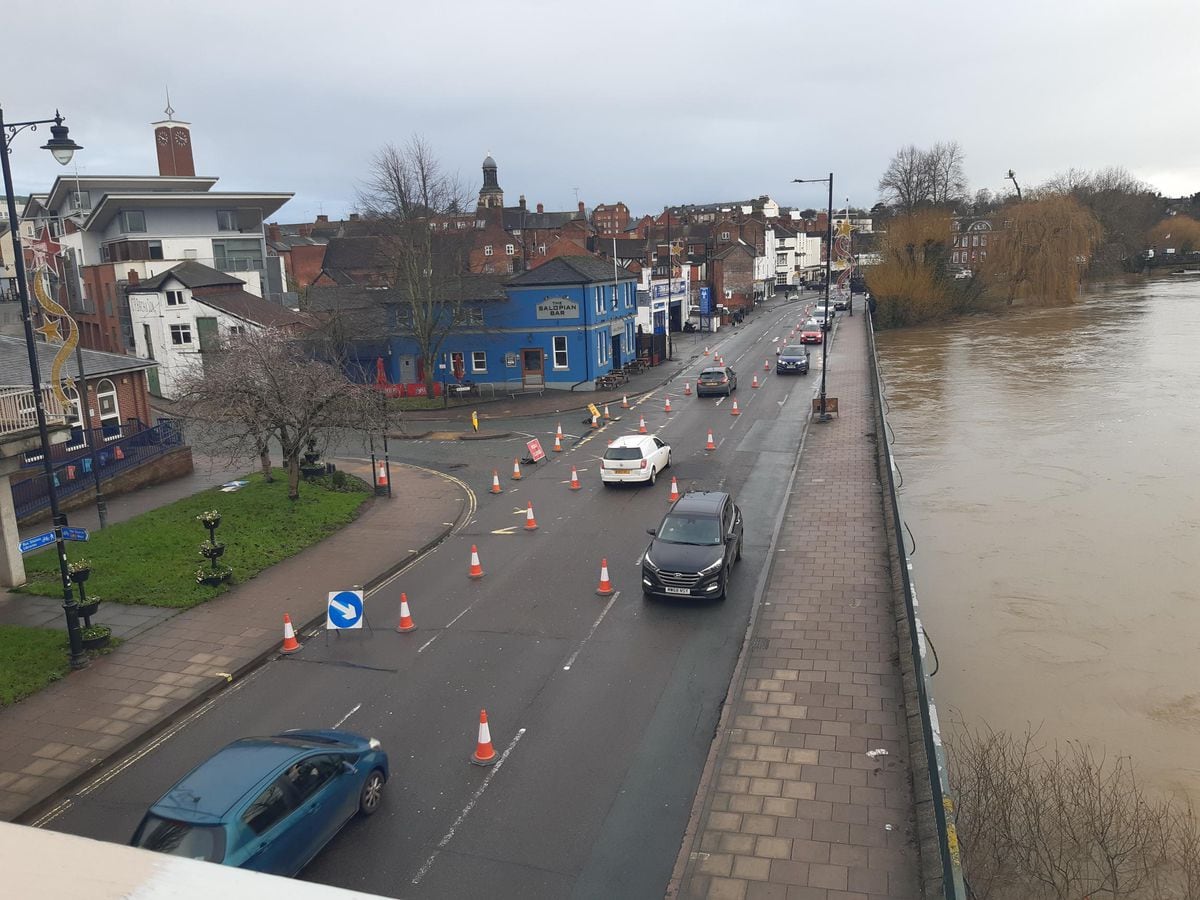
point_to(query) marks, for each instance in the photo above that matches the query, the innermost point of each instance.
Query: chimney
(540, 208)
(353, 217)
(273, 232)
(522, 202)
(582, 210)
(322, 219)
(133, 277)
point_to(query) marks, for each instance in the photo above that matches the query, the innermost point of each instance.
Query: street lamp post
(824, 417)
(62, 148)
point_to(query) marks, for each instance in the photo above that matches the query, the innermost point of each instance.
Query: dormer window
(175, 298)
(133, 220)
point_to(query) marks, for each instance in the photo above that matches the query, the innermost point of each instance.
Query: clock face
(163, 136)
(181, 137)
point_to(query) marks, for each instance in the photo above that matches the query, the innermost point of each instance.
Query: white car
(634, 457)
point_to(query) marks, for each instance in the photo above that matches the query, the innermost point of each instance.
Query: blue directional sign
(345, 610)
(34, 542)
(75, 534)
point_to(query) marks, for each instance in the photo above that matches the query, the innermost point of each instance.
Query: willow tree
(1042, 250)
(910, 283)
(1178, 233)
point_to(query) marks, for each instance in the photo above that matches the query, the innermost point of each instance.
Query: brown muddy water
(1051, 480)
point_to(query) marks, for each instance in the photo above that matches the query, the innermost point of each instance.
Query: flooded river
(1051, 466)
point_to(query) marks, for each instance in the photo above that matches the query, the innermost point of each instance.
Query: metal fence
(74, 470)
(935, 753)
(18, 411)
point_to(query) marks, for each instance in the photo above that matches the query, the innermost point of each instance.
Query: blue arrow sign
(75, 534)
(34, 542)
(345, 609)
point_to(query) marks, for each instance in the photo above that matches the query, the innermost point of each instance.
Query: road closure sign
(594, 410)
(535, 450)
(345, 610)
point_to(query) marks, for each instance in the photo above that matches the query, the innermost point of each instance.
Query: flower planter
(96, 637)
(216, 551)
(80, 575)
(88, 609)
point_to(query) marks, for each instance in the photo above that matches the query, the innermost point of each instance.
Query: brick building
(610, 219)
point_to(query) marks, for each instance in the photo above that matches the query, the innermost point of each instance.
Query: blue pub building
(560, 326)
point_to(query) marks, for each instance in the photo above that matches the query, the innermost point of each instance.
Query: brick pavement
(52, 739)
(795, 804)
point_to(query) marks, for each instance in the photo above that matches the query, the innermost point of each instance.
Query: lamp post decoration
(845, 260)
(45, 252)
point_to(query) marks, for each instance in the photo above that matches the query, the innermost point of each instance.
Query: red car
(811, 332)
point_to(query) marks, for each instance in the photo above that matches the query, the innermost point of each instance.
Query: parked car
(793, 360)
(963, 274)
(716, 380)
(268, 803)
(811, 332)
(818, 316)
(841, 303)
(634, 457)
(694, 547)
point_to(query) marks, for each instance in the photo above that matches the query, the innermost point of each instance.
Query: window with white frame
(724, 235)
(614, 296)
(487, 250)
(181, 335)
(983, 240)
(227, 220)
(81, 200)
(110, 408)
(74, 413)
(781, 278)
(974, 240)
(510, 249)
(174, 298)
(472, 316)
(599, 297)
(133, 220)
(560, 351)
(478, 361)
(781, 259)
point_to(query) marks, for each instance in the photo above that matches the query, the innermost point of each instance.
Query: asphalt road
(602, 709)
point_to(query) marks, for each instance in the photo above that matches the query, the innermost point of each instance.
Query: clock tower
(173, 141)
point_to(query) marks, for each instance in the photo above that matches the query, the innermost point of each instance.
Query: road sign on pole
(345, 610)
(75, 534)
(34, 543)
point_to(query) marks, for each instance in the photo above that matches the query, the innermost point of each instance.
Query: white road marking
(604, 612)
(466, 811)
(449, 625)
(722, 400)
(338, 723)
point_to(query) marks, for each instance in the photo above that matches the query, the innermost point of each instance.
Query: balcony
(18, 412)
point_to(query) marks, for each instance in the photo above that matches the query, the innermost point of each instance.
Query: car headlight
(648, 561)
(374, 744)
(712, 567)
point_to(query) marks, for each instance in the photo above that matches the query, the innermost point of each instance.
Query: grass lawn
(152, 559)
(30, 658)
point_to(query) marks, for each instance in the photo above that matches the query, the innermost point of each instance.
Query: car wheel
(724, 586)
(371, 794)
(653, 476)
(668, 465)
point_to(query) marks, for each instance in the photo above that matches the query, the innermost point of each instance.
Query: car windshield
(623, 453)
(794, 351)
(713, 375)
(683, 529)
(205, 842)
(812, 323)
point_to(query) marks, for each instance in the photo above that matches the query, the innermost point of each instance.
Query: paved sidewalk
(56, 736)
(797, 801)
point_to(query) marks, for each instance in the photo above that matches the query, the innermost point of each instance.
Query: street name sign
(345, 610)
(75, 534)
(34, 543)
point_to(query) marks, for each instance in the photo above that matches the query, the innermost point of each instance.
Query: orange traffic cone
(476, 570)
(667, 405)
(766, 365)
(710, 445)
(406, 623)
(754, 382)
(641, 425)
(595, 421)
(674, 490)
(735, 411)
(606, 413)
(605, 589)
(496, 489)
(381, 478)
(516, 470)
(557, 444)
(687, 389)
(484, 754)
(530, 521)
(624, 401)
(706, 351)
(575, 485)
(290, 644)
(118, 453)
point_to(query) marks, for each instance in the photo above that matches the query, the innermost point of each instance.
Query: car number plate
(675, 590)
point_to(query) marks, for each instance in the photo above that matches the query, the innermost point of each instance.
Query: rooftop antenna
(169, 111)
(576, 190)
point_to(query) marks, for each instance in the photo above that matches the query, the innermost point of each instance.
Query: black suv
(793, 358)
(694, 547)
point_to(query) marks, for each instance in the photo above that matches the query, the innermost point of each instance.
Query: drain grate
(759, 643)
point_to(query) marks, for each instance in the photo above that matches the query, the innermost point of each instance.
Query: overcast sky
(646, 102)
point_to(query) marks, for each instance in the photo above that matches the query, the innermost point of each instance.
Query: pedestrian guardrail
(18, 410)
(935, 752)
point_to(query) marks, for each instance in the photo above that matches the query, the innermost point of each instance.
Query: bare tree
(944, 178)
(904, 184)
(419, 212)
(263, 386)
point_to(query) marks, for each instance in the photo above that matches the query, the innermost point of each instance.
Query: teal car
(268, 804)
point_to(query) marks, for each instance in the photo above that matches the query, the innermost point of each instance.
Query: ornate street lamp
(63, 149)
(824, 416)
